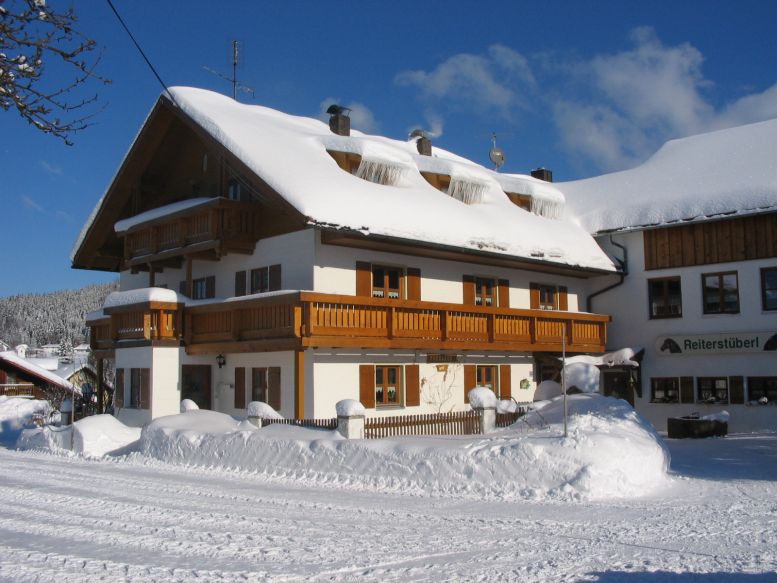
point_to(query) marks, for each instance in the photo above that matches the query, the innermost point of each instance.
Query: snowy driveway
(67, 519)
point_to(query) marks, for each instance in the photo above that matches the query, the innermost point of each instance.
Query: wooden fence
(22, 390)
(308, 423)
(507, 419)
(455, 423)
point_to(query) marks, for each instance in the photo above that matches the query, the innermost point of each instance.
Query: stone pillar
(351, 427)
(487, 419)
(255, 420)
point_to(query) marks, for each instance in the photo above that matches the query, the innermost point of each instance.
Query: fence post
(350, 418)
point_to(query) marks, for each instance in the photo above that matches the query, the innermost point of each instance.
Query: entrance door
(195, 384)
(616, 383)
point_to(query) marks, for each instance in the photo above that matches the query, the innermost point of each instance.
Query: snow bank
(584, 377)
(16, 413)
(262, 410)
(95, 436)
(610, 452)
(547, 390)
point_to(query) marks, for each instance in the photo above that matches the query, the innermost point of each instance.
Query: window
(204, 288)
(139, 388)
(544, 296)
(264, 279)
(769, 288)
(548, 297)
(487, 376)
(266, 386)
(386, 282)
(665, 298)
(721, 293)
(665, 390)
(485, 290)
(712, 389)
(388, 387)
(763, 389)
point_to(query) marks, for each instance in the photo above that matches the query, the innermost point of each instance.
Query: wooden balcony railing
(146, 322)
(229, 223)
(308, 319)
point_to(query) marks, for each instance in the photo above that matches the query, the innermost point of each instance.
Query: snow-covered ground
(147, 517)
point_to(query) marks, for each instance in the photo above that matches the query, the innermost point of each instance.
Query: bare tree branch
(33, 37)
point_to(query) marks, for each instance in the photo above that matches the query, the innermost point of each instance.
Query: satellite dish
(496, 154)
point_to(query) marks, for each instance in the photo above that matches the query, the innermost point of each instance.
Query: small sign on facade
(436, 358)
(716, 343)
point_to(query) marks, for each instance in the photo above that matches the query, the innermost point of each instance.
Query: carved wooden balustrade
(309, 319)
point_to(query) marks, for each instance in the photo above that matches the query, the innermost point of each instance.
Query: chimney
(424, 146)
(543, 174)
(339, 122)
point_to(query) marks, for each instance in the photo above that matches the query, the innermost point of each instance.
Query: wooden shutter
(468, 288)
(275, 277)
(367, 385)
(363, 279)
(686, 390)
(505, 381)
(503, 293)
(210, 286)
(534, 296)
(413, 283)
(563, 302)
(240, 387)
(736, 390)
(145, 388)
(240, 283)
(182, 287)
(118, 389)
(412, 386)
(274, 387)
(470, 380)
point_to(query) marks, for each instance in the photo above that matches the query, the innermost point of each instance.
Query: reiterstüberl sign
(716, 343)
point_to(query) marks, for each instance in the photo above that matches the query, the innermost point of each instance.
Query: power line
(140, 50)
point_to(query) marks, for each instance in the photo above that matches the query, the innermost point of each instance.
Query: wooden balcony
(216, 227)
(299, 320)
(308, 319)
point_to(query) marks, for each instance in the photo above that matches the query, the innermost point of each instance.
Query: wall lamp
(220, 360)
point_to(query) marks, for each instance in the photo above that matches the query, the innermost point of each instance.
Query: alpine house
(269, 257)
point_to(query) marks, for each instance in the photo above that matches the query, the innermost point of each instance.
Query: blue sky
(579, 87)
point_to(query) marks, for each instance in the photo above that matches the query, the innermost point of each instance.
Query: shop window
(762, 389)
(665, 296)
(388, 389)
(769, 288)
(665, 390)
(712, 390)
(721, 293)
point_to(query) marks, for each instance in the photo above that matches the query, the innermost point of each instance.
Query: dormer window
(466, 191)
(439, 181)
(521, 200)
(346, 160)
(379, 172)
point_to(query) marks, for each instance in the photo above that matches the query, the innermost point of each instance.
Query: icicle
(379, 172)
(550, 209)
(467, 191)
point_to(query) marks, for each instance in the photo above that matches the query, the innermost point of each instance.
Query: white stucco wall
(336, 376)
(631, 326)
(441, 281)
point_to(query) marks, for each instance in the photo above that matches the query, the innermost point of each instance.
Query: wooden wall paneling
(738, 252)
(675, 247)
(689, 246)
(724, 241)
(662, 248)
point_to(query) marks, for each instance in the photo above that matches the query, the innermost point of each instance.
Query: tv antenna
(496, 154)
(233, 80)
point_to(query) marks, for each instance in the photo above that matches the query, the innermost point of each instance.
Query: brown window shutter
(367, 385)
(503, 293)
(468, 287)
(240, 283)
(363, 279)
(505, 381)
(412, 386)
(210, 286)
(736, 390)
(413, 283)
(275, 277)
(182, 287)
(118, 389)
(686, 390)
(274, 387)
(145, 388)
(534, 296)
(563, 302)
(470, 380)
(240, 387)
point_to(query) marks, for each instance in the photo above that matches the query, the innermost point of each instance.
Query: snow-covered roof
(731, 171)
(176, 207)
(139, 296)
(12, 359)
(290, 154)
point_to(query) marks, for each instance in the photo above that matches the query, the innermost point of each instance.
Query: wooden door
(617, 383)
(196, 384)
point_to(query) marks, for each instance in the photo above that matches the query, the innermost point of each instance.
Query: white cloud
(32, 205)
(50, 168)
(639, 98)
(486, 83)
(65, 217)
(362, 118)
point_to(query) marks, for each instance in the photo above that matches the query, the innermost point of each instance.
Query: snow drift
(610, 451)
(94, 436)
(16, 413)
